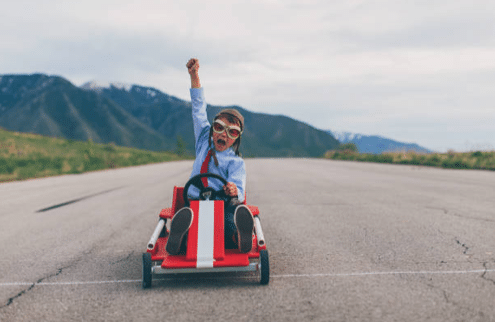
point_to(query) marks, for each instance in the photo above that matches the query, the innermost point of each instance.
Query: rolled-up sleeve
(200, 118)
(237, 175)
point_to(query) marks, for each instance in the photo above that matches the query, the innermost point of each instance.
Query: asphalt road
(347, 241)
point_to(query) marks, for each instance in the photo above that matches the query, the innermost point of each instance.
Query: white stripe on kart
(206, 230)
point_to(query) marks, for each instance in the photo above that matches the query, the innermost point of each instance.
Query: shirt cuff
(196, 93)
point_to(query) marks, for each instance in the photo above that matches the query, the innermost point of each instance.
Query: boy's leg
(244, 223)
(181, 222)
(229, 224)
(239, 225)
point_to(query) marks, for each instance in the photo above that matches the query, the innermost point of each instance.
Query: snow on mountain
(375, 144)
(99, 85)
(344, 137)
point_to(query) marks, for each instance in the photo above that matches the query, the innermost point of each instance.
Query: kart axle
(252, 267)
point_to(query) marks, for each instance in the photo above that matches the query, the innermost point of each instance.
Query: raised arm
(193, 69)
(200, 119)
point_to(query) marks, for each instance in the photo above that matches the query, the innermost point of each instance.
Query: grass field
(479, 160)
(25, 156)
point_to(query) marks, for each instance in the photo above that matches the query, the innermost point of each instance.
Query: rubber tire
(147, 275)
(265, 267)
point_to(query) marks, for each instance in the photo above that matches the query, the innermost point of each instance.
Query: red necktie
(204, 168)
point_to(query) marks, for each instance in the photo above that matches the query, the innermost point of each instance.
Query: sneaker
(244, 222)
(178, 228)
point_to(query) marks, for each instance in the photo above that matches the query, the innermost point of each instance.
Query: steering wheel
(205, 193)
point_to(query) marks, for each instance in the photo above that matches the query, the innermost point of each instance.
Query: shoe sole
(178, 228)
(245, 223)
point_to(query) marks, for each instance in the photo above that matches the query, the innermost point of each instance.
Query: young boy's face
(222, 141)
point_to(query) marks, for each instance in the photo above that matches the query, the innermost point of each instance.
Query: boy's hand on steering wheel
(230, 189)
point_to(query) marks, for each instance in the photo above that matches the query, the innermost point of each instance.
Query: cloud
(381, 67)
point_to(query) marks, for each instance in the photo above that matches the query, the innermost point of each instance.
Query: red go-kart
(205, 247)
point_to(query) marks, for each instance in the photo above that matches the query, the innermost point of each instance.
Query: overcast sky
(414, 71)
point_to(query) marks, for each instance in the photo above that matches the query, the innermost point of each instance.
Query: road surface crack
(466, 249)
(483, 276)
(77, 200)
(125, 259)
(455, 214)
(449, 300)
(21, 293)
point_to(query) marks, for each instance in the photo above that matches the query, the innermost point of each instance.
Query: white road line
(69, 283)
(477, 271)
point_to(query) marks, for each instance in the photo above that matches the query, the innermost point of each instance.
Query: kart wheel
(265, 267)
(147, 275)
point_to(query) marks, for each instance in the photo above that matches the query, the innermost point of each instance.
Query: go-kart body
(205, 247)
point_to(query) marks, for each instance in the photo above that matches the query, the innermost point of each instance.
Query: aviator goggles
(233, 131)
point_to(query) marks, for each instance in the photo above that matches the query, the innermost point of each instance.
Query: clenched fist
(192, 66)
(230, 189)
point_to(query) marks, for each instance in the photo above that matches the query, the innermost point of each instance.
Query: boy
(217, 151)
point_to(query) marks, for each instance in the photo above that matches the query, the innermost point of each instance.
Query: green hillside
(52, 106)
(139, 117)
(24, 156)
(265, 135)
(476, 160)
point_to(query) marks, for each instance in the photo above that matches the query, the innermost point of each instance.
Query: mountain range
(376, 144)
(52, 106)
(141, 117)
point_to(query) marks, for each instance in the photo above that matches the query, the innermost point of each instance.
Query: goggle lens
(233, 133)
(218, 127)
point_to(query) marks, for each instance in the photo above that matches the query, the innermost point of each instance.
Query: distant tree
(181, 146)
(348, 147)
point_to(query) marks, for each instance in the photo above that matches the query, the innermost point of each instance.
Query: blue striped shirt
(230, 166)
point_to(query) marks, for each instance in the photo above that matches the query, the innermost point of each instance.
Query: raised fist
(192, 65)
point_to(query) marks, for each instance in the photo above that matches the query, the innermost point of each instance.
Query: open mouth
(221, 142)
